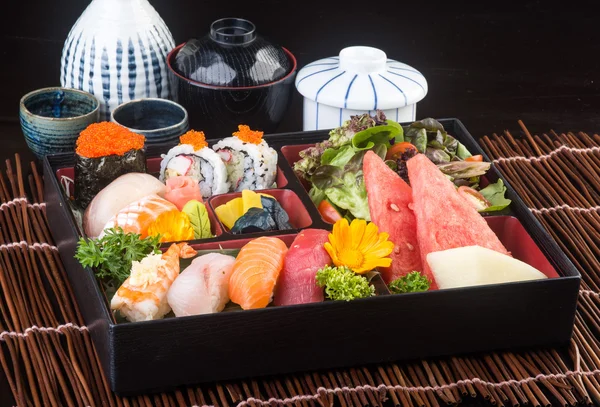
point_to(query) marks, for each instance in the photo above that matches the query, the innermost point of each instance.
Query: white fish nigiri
(123, 191)
(143, 295)
(202, 287)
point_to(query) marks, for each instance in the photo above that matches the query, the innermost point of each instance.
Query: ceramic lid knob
(363, 60)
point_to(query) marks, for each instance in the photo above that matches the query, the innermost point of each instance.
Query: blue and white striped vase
(359, 80)
(117, 50)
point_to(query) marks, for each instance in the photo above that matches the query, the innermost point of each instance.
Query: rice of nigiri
(202, 287)
(255, 272)
(143, 295)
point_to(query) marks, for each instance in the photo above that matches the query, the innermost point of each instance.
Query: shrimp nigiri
(255, 272)
(137, 217)
(143, 296)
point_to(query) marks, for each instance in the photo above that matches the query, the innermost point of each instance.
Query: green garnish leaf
(342, 284)
(199, 220)
(465, 169)
(411, 283)
(111, 256)
(367, 139)
(337, 156)
(429, 135)
(316, 195)
(494, 193)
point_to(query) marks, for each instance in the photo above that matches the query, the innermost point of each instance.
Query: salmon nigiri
(137, 217)
(143, 296)
(255, 272)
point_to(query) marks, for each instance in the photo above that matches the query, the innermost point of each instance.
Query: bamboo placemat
(47, 354)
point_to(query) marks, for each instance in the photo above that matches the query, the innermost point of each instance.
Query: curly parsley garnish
(111, 256)
(410, 283)
(342, 284)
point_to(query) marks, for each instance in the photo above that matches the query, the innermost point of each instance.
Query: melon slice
(389, 198)
(445, 220)
(475, 265)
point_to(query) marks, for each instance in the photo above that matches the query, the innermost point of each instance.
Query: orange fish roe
(194, 138)
(107, 138)
(247, 135)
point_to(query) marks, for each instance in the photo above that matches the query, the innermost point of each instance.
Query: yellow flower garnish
(244, 133)
(172, 226)
(359, 246)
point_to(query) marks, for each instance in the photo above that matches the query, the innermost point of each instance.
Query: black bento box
(158, 355)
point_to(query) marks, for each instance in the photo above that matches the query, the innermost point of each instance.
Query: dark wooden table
(523, 60)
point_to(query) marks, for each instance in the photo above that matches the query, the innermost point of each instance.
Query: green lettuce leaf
(462, 152)
(351, 195)
(367, 139)
(430, 134)
(198, 215)
(316, 195)
(338, 156)
(464, 169)
(494, 193)
(345, 187)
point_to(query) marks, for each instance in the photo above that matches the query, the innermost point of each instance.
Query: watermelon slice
(389, 198)
(445, 220)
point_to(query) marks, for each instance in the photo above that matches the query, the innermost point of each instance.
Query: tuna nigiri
(202, 287)
(255, 272)
(297, 284)
(118, 194)
(143, 296)
(137, 217)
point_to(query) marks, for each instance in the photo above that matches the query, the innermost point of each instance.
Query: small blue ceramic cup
(162, 121)
(52, 118)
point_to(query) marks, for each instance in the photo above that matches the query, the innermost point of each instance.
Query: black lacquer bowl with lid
(232, 76)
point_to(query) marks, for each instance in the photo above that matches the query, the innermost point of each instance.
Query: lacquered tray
(157, 355)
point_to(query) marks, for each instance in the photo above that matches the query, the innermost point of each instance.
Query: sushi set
(250, 255)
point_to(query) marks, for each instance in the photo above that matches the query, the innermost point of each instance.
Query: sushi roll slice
(105, 151)
(193, 158)
(251, 163)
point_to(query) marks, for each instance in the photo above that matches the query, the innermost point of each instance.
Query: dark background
(488, 66)
(537, 61)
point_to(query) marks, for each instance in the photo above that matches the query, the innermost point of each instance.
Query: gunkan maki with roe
(104, 152)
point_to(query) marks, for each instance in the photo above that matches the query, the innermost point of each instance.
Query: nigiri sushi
(137, 217)
(123, 191)
(143, 296)
(202, 287)
(297, 284)
(255, 272)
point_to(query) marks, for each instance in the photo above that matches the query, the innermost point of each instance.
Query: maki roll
(251, 163)
(193, 158)
(105, 151)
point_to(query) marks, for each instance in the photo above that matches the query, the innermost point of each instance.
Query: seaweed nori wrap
(94, 174)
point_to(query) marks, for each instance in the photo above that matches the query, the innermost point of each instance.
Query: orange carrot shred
(107, 138)
(247, 135)
(195, 138)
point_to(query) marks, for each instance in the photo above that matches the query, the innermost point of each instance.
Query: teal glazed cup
(161, 121)
(52, 118)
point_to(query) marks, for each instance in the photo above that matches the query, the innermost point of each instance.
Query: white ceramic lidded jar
(360, 80)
